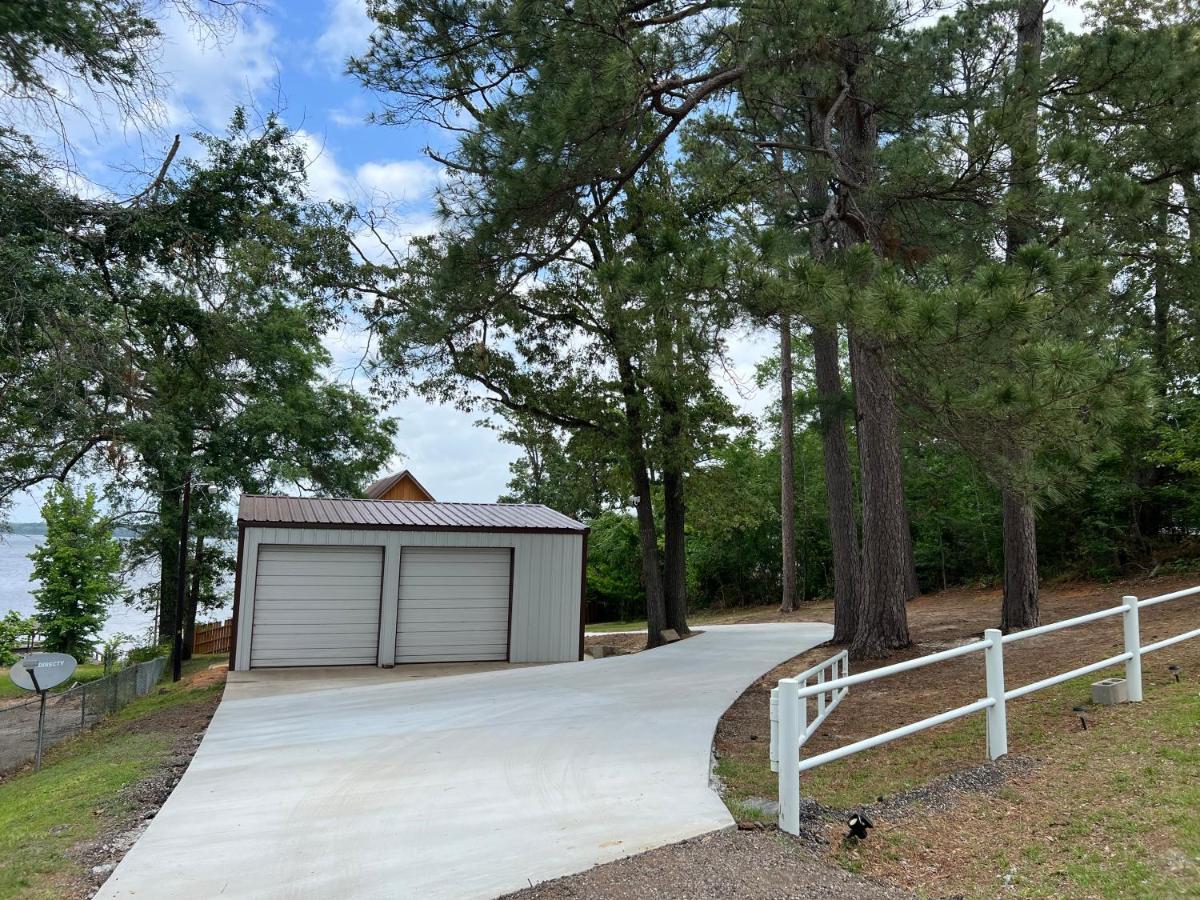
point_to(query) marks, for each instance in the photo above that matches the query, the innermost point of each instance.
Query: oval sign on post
(42, 671)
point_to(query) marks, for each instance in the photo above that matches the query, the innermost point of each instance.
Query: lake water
(16, 569)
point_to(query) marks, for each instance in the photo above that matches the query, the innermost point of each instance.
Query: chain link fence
(71, 711)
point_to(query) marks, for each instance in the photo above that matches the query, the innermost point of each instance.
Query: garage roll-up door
(453, 604)
(316, 606)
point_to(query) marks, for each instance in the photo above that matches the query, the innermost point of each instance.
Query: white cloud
(210, 75)
(405, 181)
(454, 458)
(345, 34)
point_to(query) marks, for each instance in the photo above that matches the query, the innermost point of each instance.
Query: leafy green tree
(77, 569)
(612, 343)
(181, 333)
(15, 630)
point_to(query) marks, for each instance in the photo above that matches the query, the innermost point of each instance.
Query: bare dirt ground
(764, 865)
(939, 621)
(625, 642)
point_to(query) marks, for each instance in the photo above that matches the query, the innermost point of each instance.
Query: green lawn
(85, 672)
(632, 625)
(76, 795)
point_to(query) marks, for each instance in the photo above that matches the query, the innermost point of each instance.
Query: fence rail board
(789, 701)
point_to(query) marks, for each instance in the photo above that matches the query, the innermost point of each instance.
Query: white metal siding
(545, 606)
(453, 604)
(316, 606)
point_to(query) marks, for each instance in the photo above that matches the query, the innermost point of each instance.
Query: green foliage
(614, 589)
(147, 652)
(77, 567)
(110, 652)
(183, 332)
(14, 629)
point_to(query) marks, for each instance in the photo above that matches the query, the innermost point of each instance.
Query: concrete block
(669, 635)
(1110, 691)
(599, 651)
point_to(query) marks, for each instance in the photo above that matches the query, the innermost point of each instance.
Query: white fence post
(774, 729)
(997, 713)
(1133, 646)
(789, 756)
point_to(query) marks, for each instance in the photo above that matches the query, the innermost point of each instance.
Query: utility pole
(180, 581)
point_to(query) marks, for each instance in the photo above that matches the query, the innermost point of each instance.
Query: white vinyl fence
(791, 727)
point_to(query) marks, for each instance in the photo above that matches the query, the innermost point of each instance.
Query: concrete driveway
(463, 786)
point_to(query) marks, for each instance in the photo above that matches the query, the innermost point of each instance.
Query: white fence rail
(791, 726)
(827, 701)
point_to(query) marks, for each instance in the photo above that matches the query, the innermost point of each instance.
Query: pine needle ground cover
(1110, 811)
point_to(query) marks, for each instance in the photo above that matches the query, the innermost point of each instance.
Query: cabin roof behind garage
(328, 512)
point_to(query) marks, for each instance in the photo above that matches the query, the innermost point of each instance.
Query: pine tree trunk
(1020, 609)
(1020, 605)
(636, 458)
(193, 600)
(787, 467)
(882, 620)
(674, 551)
(839, 484)
(675, 454)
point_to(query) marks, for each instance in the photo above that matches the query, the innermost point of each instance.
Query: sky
(289, 56)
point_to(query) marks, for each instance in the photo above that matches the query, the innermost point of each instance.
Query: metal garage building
(324, 582)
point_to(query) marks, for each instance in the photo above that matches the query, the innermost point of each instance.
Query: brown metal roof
(329, 512)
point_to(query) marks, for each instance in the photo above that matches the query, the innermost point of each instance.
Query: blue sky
(289, 56)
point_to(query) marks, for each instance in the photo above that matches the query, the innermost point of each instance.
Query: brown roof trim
(347, 512)
(375, 526)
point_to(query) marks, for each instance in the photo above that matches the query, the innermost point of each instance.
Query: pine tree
(77, 569)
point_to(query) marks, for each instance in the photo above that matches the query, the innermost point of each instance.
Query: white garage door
(316, 606)
(453, 604)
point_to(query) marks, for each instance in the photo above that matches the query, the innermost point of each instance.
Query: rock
(102, 869)
(669, 635)
(599, 651)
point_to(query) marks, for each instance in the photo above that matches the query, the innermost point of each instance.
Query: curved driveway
(465, 786)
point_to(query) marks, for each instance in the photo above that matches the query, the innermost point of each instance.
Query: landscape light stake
(1174, 670)
(858, 825)
(1081, 710)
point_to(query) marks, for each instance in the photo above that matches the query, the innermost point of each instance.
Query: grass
(76, 796)
(1111, 812)
(631, 625)
(87, 671)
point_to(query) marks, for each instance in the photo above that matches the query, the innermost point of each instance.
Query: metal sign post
(39, 672)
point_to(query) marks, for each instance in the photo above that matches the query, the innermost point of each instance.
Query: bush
(148, 652)
(12, 629)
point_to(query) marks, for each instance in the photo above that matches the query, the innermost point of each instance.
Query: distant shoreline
(38, 529)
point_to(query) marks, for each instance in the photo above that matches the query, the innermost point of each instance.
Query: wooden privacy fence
(213, 637)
